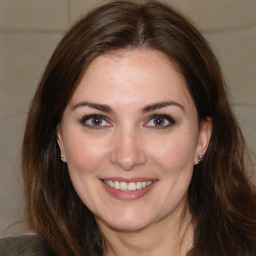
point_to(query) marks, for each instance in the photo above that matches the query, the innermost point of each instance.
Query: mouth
(128, 189)
(127, 186)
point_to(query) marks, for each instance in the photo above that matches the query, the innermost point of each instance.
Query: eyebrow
(159, 105)
(146, 109)
(101, 107)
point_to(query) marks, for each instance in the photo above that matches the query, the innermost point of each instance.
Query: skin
(130, 144)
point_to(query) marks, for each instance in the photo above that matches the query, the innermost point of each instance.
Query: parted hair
(221, 198)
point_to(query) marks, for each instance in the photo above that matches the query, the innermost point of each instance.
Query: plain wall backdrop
(29, 32)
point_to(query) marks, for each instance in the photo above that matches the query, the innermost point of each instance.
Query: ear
(203, 138)
(60, 143)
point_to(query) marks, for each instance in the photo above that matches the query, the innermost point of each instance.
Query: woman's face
(130, 137)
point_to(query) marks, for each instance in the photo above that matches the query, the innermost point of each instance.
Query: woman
(131, 147)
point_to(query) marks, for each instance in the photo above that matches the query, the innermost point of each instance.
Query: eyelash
(86, 118)
(166, 117)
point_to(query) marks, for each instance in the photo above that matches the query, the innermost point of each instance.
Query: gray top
(27, 245)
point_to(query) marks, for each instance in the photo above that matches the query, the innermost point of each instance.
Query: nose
(128, 151)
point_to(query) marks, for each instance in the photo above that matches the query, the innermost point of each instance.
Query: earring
(62, 158)
(200, 158)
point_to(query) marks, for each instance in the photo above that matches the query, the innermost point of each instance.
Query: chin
(128, 226)
(125, 222)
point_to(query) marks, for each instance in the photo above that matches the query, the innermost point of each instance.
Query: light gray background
(30, 30)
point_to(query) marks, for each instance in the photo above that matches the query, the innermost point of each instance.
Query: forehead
(132, 76)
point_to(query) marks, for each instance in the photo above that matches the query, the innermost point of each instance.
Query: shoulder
(27, 245)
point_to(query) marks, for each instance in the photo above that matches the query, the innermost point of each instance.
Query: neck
(169, 236)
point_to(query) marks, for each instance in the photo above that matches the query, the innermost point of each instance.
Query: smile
(127, 186)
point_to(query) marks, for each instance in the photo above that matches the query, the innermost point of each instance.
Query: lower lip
(128, 195)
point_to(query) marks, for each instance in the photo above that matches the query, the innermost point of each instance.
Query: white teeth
(138, 185)
(116, 185)
(123, 186)
(111, 184)
(131, 186)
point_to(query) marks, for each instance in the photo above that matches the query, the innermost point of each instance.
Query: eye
(160, 121)
(95, 121)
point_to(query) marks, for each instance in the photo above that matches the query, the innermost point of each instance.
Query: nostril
(127, 163)
(127, 152)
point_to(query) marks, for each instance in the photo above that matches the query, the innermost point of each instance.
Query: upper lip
(121, 179)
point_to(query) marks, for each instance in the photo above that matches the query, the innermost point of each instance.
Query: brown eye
(160, 121)
(95, 121)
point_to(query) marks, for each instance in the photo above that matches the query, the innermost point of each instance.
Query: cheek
(174, 153)
(84, 154)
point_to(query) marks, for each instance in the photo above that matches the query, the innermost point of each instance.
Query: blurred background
(29, 32)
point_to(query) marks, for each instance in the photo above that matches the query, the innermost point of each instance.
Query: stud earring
(200, 158)
(62, 158)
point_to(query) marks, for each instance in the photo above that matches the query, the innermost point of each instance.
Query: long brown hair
(221, 198)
